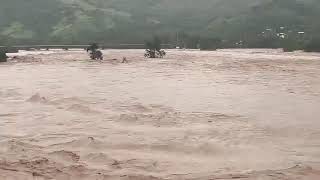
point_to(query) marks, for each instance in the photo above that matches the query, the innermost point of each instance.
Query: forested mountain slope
(130, 21)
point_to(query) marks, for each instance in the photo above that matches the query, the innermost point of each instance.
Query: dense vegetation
(185, 23)
(95, 53)
(153, 48)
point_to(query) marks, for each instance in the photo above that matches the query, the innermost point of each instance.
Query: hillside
(83, 21)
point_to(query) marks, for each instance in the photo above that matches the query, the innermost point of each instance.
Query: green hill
(132, 21)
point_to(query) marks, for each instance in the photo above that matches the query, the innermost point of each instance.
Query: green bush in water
(153, 48)
(3, 56)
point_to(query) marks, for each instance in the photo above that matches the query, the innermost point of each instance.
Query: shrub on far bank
(313, 45)
(210, 43)
(9, 49)
(290, 45)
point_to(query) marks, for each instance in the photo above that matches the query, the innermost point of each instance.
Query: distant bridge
(66, 47)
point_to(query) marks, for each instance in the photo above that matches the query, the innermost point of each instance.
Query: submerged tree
(3, 56)
(93, 47)
(153, 49)
(95, 53)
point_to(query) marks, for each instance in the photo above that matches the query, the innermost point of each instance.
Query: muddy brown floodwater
(227, 114)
